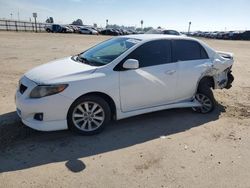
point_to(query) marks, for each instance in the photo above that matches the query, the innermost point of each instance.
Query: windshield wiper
(84, 60)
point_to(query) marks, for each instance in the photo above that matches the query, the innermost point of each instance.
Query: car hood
(59, 71)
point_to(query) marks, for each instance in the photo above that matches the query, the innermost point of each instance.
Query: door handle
(170, 72)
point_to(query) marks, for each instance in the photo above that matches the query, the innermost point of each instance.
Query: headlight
(46, 90)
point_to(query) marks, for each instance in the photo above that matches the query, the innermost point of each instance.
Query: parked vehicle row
(226, 35)
(56, 28)
(116, 32)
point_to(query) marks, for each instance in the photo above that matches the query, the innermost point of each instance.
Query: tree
(50, 20)
(77, 22)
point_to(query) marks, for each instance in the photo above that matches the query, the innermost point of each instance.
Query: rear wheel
(89, 115)
(205, 97)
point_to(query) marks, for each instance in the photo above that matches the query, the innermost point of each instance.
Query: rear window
(185, 50)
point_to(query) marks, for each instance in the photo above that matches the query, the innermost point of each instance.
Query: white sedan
(88, 31)
(119, 78)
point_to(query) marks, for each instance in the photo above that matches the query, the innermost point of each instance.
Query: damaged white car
(122, 77)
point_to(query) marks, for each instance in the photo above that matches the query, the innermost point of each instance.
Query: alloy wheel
(206, 103)
(88, 116)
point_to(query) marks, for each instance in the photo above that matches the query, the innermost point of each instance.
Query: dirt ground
(171, 148)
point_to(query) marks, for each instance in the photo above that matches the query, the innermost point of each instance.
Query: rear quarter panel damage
(220, 69)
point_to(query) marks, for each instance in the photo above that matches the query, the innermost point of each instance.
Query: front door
(154, 82)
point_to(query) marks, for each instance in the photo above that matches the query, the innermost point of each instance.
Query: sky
(205, 15)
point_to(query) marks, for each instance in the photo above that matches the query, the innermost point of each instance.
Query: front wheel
(205, 97)
(88, 115)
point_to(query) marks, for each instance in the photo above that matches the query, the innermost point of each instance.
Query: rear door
(192, 61)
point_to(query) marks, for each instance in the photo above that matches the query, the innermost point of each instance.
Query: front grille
(22, 88)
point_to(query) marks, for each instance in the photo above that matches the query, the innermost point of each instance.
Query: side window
(203, 53)
(185, 50)
(152, 53)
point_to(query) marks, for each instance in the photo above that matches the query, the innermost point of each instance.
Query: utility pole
(189, 27)
(11, 16)
(107, 23)
(142, 24)
(35, 16)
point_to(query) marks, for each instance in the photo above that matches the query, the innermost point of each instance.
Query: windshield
(107, 51)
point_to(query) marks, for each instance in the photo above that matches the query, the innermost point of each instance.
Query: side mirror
(131, 64)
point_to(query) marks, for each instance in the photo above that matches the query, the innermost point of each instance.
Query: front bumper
(54, 109)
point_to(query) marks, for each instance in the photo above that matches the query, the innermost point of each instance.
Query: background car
(171, 32)
(245, 35)
(74, 28)
(85, 30)
(110, 32)
(163, 31)
(56, 28)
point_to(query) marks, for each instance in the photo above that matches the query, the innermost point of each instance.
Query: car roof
(147, 37)
(151, 37)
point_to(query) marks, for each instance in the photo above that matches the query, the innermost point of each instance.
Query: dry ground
(172, 148)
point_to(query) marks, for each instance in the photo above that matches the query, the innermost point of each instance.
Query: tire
(88, 115)
(205, 96)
